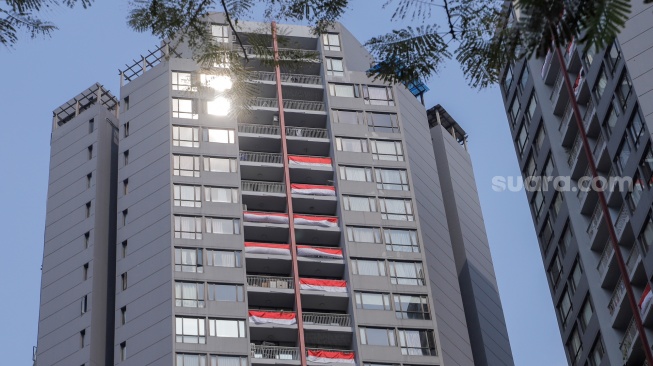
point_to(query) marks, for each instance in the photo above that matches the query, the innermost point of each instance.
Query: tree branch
(226, 13)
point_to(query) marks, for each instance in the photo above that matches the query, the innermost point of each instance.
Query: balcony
(628, 342)
(599, 147)
(315, 199)
(263, 196)
(607, 267)
(577, 160)
(309, 54)
(270, 291)
(259, 137)
(314, 261)
(328, 329)
(568, 126)
(324, 294)
(551, 67)
(261, 166)
(310, 169)
(268, 258)
(595, 228)
(320, 230)
(618, 306)
(617, 296)
(633, 264)
(330, 356)
(289, 104)
(274, 355)
(312, 80)
(622, 219)
(265, 226)
(590, 120)
(559, 94)
(273, 326)
(307, 141)
(333, 320)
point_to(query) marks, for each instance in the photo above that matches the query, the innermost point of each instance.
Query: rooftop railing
(340, 320)
(270, 282)
(274, 352)
(265, 187)
(261, 157)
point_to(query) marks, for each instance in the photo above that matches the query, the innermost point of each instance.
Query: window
(368, 267)
(84, 304)
(87, 211)
(622, 155)
(392, 179)
(123, 351)
(523, 79)
(124, 217)
(540, 137)
(224, 258)
(565, 239)
(126, 103)
(530, 167)
(188, 260)
(220, 194)
(548, 167)
(181, 81)
(220, 33)
(377, 336)
(387, 150)
(624, 89)
(227, 328)
(383, 122)
(574, 346)
(125, 129)
(396, 209)
(216, 225)
(555, 269)
(184, 108)
(564, 306)
(412, 307)
(91, 125)
(218, 135)
(522, 139)
(507, 79)
(635, 194)
(378, 95)
(600, 85)
(188, 227)
(356, 173)
(189, 294)
(575, 276)
(186, 165)
(530, 109)
(125, 156)
(187, 196)
(220, 165)
(357, 203)
(331, 41)
(372, 301)
(185, 136)
(348, 117)
(401, 240)
(585, 315)
(613, 56)
(90, 152)
(334, 66)
(87, 238)
(361, 234)
(406, 273)
(611, 118)
(344, 90)
(588, 57)
(82, 336)
(125, 187)
(226, 292)
(417, 342)
(635, 127)
(596, 354)
(85, 272)
(123, 252)
(646, 236)
(123, 280)
(185, 359)
(537, 203)
(351, 145)
(646, 166)
(547, 233)
(514, 110)
(190, 330)
(123, 315)
(89, 179)
(227, 361)
(557, 203)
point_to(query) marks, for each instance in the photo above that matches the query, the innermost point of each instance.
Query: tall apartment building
(613, 88)
(335, 223)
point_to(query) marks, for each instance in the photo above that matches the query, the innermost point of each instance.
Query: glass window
(228, 361)
(187, 196)
(372, 301)
(575, 276)
(387, 150)
(396, 209)
(565, 239)
(188, 227)
(351, 144)
(186, 359)
(361, 234)
(530, 168)
(417, 342)
(358, 203)
(623, 154)
(635, 194)
(220, 33)
(624, 89)
(596, 354)
(555, 269)
(540, 137)
(514, 110)
(184, 108)
(335, 66)
(371, 267)
(227, 328)
(522, 139)
(507, 80)
(343, 90)
(557, 203)
(348, 117)
(613, 56)
(530, 110)
(224, 258)
(225, 292)
(377, 336)
(546, 234)
(406, 273)
(189, 294)
(355, 173)
(646, 236)
(600, 85)
(331, 41)
(392, 179)
(378, 95)
(185, 136)
(181, 81)
(188, 260)
(524, 77)
(401, 240)
(611, 118)
(220, 165)
(635, 127)
(574, 346)
(646, 166)
(589, 56)
(412, 307)
(537, 203)
(219, 135)
(190, 330)
(382, 122)
(585, 315)
(564, 306)
(221, 194)
(216, 225)
(186, 165)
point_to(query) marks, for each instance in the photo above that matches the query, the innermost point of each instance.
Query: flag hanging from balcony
(272, 317)
(307, 251)
(323, 285)
(645, 300)
(313, 190)
(265, 248)
(266, 217)
(323, 221)
(309, 161)
(323, 356)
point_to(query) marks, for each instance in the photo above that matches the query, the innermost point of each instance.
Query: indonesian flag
(309, 161)
(323, 285)
(323, 356)
(313, 190)
(272, 317)
(264, 248)
(307, 251)
(579, 80)
(267, 217)
(646, 298)
(323, 221)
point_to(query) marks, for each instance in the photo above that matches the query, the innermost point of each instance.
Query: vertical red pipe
(291, 218)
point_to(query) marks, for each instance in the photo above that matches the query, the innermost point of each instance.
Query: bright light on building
(218, 82)
(219, 106)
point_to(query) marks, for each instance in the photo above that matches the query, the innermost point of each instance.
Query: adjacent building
(334, 223)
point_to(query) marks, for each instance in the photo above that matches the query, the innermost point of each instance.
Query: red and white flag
(265, 248)
(323, 285)
(313, 190)
(267, 217)
(309, 161)
(323, 221)
(645, 300)
(318, 252)
(272, 317)
(324, 356)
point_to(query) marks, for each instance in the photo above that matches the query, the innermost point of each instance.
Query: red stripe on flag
(328, 251)
(266, 245)
(331, 354)
(309, 160)
(273, 314)
(320, 282)
(330, 219)
(311, 186)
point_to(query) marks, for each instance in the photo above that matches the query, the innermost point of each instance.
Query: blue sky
(91, 45)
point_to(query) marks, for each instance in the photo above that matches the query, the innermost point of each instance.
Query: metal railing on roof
(82, 102)
(151, 59)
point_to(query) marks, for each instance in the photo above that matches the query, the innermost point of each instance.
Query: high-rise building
(333, 223)
(613, 89)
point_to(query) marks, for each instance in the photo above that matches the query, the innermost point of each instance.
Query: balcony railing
(608, 250)
(265, 187)
(617, 295)
(621, 221)
(589, 113)
(288, 78)
(573, 152)
(598, 147)
(555, 93)
(258, 129)
(597, 215)
(584, 186)
(274, 352)
(566, 118)
(270, 282)
(340, 320)
(260, 157)
(250, 50)
(316, 133)
(628, 339)
(288, 104)
(633, 258)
